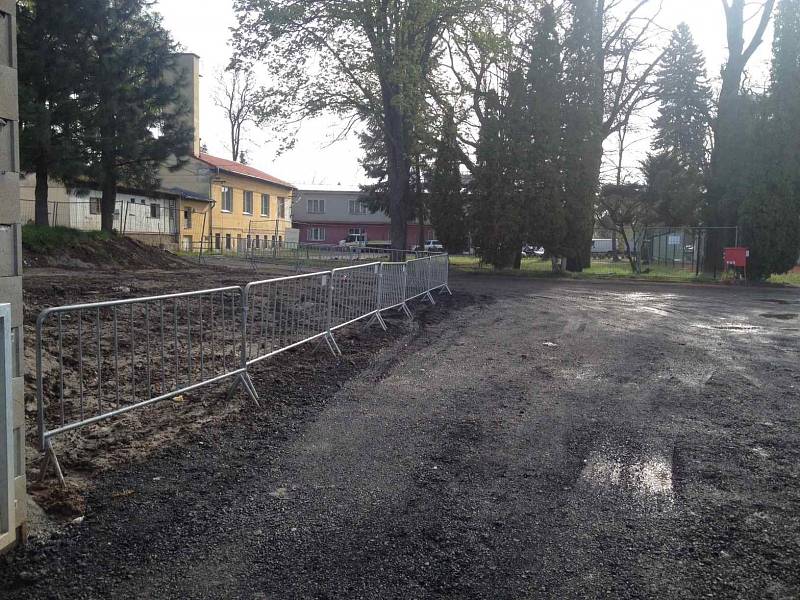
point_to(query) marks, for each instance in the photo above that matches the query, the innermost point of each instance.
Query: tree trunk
(398, 172)
(41, 193)
(108, 202)
(44, 141)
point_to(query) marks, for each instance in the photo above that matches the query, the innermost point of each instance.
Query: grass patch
(786, 279)
(600, 269)
(604, 269)
(45, 240)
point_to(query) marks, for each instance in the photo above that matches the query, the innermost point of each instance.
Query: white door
(7, 529)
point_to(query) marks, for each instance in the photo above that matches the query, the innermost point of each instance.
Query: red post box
(736, 257)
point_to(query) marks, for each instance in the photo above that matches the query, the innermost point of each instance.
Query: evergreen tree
(546, 220)
(489, 220)
(516, 156)
(50, 47)
(447, 210)
(684, 95)
(132, 116)
(672, 191)
(583, 129)
(785, 97)
(769, 209)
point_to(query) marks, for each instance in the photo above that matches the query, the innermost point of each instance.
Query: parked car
(430, 246)
(531, 251)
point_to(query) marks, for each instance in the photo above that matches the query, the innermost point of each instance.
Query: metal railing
(100, 360)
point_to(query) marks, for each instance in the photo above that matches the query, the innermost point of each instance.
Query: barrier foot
(407, 310)
(332, 345)
(50, 457)
(243, 379)
(250, 388)
(430, 298)
(379, 318)
(445, 288)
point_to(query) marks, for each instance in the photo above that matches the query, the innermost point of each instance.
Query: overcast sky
(203, 27)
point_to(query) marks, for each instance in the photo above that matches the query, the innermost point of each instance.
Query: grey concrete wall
(11, 247)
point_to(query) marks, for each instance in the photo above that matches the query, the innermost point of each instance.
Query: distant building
(247, 206)
(243, 205)
(151, 217)
(327, 214)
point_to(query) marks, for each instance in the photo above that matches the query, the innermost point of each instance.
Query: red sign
(736, 257)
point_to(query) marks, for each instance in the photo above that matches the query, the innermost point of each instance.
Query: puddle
(777, 301)
(647, 479)
(781, 316)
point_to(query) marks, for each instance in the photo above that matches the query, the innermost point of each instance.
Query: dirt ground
(525, 439)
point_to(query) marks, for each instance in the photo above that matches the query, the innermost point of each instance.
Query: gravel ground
(542, 439)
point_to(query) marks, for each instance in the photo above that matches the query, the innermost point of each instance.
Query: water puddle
(644, 480)
(780, 316)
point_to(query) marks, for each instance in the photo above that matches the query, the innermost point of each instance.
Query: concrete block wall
(11, 246)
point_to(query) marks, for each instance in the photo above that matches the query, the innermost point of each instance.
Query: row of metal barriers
(100, 360)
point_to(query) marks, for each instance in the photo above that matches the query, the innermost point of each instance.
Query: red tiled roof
(240, 169)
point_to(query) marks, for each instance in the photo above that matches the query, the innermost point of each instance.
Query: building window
(356, 231)
(357, 207)
(264, 205)
(258, 242)
(227, 241)
(227, 199)
(217, 241)
(316, 234)
(316, 206)
(281, 208)
(248, 203)
(94, 206)
(155, 211)
(187, 218)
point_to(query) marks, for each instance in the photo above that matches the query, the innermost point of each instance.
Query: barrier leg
(50, 457)
(445, 288)
(243, 379)
(379, 318)
(332, 345)
(407, 310)
(430, 298)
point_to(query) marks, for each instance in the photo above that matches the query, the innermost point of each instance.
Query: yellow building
(246, 204)
(225, 203)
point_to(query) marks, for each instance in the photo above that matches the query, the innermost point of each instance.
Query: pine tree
(489, 221)
(769, 213)
(132, 112)
(583, 124)
(672, 190)
(683, 122)
(49, 42)
(447, 210)
(785, 96)
(546, 220)
(516, 135)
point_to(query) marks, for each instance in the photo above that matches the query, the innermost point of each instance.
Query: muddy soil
(531, 439)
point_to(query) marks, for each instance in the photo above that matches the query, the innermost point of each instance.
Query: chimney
(188, 77)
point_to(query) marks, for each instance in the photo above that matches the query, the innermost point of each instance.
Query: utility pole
(13, 513)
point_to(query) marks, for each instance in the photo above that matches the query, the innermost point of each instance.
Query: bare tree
(237, 96)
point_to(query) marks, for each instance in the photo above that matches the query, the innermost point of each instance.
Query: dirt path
(549, 439)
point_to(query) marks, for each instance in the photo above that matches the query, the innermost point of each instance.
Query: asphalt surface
(531, 439)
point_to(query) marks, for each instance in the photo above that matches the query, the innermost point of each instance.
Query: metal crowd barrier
(286, 312)
(100, 360)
